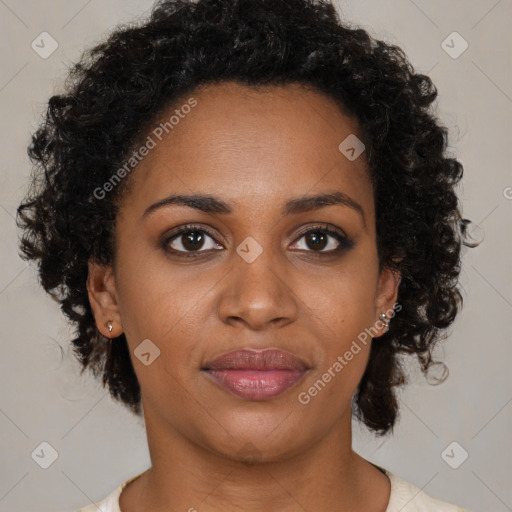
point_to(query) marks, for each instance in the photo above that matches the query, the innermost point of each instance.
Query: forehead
(251, 145)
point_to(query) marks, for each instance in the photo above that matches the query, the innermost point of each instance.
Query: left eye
(318, 240)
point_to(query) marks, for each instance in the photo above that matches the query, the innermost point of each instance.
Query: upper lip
(251, 359)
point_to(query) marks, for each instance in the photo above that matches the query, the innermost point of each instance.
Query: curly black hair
(122, 85)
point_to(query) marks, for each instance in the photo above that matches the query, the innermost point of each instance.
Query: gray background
(99, 443)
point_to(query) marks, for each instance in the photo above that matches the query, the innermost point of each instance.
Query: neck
(327, 475)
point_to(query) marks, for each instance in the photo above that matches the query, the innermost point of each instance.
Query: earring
(384, 318)
(109, 326)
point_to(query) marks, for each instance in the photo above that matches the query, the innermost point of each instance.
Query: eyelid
(322, 227)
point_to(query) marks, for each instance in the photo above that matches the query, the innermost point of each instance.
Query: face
(249, 267)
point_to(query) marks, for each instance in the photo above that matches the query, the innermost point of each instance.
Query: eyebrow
(213, 205)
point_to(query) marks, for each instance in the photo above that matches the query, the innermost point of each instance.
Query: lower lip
(256, 384)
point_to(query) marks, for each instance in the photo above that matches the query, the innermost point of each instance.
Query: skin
(255, 149)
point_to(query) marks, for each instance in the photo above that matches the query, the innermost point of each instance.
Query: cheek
(344, 300)
(345, 348)
(162, 305)
(342, 313)
(168, 304)
(154, 295)
(343, 310)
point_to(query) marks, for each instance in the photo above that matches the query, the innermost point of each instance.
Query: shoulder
(406, 497)
(109, 503)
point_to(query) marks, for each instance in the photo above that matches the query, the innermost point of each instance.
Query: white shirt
(405, 497)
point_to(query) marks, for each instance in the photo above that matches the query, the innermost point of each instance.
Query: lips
(256, 374)
(268, 359)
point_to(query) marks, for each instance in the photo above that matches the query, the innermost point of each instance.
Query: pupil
(192, 240)
(318, 239)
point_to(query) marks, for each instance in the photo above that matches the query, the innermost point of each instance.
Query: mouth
(256, 374)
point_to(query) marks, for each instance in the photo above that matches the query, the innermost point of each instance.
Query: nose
(258, 294)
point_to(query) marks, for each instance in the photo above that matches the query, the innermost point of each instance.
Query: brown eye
(324, 240)
(316, 240)
(190, 240)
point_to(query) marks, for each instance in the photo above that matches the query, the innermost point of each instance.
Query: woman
(246, 209)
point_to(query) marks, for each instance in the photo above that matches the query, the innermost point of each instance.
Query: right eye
(188, 241)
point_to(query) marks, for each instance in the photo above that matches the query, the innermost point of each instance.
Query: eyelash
(345, 243)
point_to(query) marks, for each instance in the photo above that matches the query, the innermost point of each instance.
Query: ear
(385, 298)
(101, 288)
